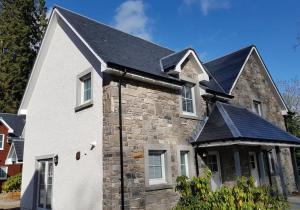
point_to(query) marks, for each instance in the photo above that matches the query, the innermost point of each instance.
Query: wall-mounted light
(55, 159)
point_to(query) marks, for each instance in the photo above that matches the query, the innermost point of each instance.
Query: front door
(213, 163)
(254, 167)
(45, 179)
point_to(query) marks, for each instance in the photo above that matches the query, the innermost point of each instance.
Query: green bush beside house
(195, 193)
(12, 184)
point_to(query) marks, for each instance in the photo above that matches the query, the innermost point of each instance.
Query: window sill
(189, 116)
(84, 106)
(158, 187)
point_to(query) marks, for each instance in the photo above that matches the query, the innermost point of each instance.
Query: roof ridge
(230, 53)
(111, 27)
(174, 53)
(233, 129)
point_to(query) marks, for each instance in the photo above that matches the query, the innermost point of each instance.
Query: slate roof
(19, 147)
(230, 122)
(16, 122)
(117, 47)
(172, 60)
(226, 69)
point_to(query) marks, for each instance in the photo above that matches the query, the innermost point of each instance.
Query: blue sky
(212, 27)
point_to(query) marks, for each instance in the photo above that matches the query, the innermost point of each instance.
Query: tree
(22, 25)
(290, 91)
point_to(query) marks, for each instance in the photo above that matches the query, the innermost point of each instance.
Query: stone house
(112, 120)
(11, 145)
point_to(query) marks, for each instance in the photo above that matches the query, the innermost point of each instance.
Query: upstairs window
(257, 107)
(1, 141)
(188, 106)
(86, 88)
(84, 91)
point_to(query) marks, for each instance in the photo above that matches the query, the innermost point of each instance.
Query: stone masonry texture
(152, 116)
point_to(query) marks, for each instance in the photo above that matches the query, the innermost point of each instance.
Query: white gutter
(143, 79)
(245, 143)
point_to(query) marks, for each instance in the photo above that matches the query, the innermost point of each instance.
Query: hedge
(196, 193)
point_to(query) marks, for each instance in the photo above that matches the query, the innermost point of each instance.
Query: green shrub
(12, 184)
(195, 193)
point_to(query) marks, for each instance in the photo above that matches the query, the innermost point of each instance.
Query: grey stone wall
(253, 85)
(151, 116)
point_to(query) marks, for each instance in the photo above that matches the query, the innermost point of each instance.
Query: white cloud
(209, 5)
(130, 17)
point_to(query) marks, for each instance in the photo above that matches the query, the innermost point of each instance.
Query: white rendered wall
(53, 127)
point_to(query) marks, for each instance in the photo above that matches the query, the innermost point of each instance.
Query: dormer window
(188, 100)
(257, 107)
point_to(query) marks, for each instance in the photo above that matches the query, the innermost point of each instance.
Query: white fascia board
(42, 53)
(246, 143)
(240, 72)
(10, 130)
(35, 70)
(178, 66)
(268, 74)
(103, 64)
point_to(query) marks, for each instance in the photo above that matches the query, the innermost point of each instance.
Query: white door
(254, 167)
(45, 179)
(213, 163)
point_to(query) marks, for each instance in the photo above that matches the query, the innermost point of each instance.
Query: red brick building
(11, 145)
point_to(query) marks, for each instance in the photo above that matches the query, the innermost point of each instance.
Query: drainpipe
(121, 141)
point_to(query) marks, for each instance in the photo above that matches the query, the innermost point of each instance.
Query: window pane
(155, 165)
(189, 106)
(87, 89)
(183, 170)
(187, 99)
(3, 172)
(1, 140)
(188, 92)
(42, 184)
(212, 163)
(184, 163)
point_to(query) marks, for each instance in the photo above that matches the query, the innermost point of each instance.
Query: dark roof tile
(16, 122)
(230, 122)
(226, 69)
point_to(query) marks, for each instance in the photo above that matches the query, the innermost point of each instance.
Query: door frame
(37, 179)
(215, 152)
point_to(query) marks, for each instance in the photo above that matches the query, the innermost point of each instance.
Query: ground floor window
(3, 172)
(45, 180)
(157, 169)
(184, 166)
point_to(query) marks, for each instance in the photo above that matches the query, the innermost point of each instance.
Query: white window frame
(255, 102)
(3, 136)
(186, 164)
(193, 101)
(4, 168)
(161, 180)
(82, 90)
